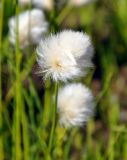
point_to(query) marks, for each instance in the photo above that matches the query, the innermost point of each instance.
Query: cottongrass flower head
(65, 55)
(46, 4)
(32, 26)
(80, 2)
(75, 105)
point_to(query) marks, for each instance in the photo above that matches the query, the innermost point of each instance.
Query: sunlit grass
(27, 103)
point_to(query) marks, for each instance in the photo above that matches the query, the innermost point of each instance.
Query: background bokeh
(23, 91)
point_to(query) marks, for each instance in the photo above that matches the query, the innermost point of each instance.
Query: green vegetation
(26, 102)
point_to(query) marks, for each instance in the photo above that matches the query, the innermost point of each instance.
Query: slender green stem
(69, 144)
(125, 146)
(47, 104)
(112, 140)
(1, 120)
(25, 133)
(23, 74)
(64, 13)
(17, 152)
(29, 26)
(105, 88)
(54, 118)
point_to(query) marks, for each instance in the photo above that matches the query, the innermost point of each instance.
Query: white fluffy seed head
(65, 55)
(31, 27)
(75, 105)
(46, 4)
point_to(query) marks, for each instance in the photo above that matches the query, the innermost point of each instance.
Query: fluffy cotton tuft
(75, 105)
(31, 27)
(46, 4)
(65, 55)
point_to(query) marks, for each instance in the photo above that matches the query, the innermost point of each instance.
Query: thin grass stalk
(105, 88)
(47, 104)
(64, 13)
(34, 95)
(28, 99)
(30, 107)
(69, 144)
(29, 25)
(120, 136)
(26, 145)
(17, 152)
(113, 140)
(125, 146)
(111, 146)
(20, 116)
(23, 74)
(98, 154)
(89, 139)
(61, 133)
(113, 118)
(1, 119)
(54, 121)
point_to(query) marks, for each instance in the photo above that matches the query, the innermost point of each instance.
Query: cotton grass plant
(62, 57)
(32, 27)
(65, 56)
(75, 105)
(52, 115)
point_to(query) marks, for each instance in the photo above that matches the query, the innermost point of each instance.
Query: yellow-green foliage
(26, 101)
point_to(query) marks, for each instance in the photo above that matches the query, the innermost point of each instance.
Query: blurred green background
(23, 92)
